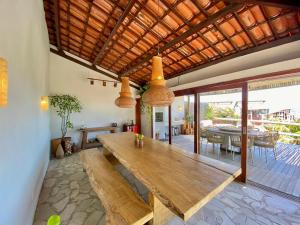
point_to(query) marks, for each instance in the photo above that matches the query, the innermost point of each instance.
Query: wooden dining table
(227, 132)
(179, 183)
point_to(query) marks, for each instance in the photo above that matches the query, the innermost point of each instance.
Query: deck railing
(262, 122)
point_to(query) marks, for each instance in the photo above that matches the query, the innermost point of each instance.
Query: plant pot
(55, 142)
(54, 145)
(59, 154)
(66, 143)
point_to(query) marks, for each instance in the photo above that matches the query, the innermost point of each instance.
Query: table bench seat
(122, 204)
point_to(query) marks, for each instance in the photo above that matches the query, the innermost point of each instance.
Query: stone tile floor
(66, 191)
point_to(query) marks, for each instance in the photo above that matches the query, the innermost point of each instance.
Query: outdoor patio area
(282, 175)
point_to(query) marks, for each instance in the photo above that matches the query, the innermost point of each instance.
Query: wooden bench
(122, 204)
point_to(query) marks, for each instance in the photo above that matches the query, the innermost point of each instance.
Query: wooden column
(170, 124)
(196, 123)
(152, 123)
(244, 150)
(138, 115)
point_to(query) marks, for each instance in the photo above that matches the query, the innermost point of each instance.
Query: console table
(85, 131)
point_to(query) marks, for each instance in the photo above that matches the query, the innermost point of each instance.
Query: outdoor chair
(237, 143)
(203, 136)
(215, 139)
(267, 141)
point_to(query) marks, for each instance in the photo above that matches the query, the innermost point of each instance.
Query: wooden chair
(215, 139)
(267, 141)
(123, 206)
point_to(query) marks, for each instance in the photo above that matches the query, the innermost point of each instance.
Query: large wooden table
(179, 183)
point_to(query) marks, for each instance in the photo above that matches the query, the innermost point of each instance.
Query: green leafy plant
(209, 113)
(141, 92)
(54, 220)
(65, 105)
(213, 112)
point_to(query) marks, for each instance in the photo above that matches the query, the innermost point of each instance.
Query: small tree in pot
(65, 105)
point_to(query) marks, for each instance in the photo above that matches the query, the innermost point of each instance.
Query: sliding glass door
(220, 128)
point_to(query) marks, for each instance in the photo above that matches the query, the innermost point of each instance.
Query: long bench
(122, 204)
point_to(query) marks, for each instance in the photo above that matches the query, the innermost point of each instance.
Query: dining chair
(235, 141)
(215, 139)
(203, 136)
(266, 141)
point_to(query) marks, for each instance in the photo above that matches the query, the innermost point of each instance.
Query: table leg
(161, 214)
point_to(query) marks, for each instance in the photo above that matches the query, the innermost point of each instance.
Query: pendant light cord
(158, 27)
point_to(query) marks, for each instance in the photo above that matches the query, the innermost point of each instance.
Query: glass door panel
(183, 122)
(220, 125)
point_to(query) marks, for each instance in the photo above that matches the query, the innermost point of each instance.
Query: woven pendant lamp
(3, 82)
(158, 94)
(125, 100)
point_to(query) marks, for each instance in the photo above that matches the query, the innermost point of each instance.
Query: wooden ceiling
(122, 36)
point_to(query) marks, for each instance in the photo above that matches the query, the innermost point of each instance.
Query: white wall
(24, 128)
(99, 109)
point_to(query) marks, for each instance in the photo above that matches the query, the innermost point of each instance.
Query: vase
(137, 142)
(141, 143)
(68, 145)
(59, 152)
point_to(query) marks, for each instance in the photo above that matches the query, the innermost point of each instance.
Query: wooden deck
(282, 175)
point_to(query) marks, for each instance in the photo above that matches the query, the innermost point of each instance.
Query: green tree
(209, 113)
(65, 105)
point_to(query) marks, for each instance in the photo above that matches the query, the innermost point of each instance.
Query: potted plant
(64, 105)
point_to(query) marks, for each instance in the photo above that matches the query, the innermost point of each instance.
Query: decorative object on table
(114, 124)
(125, 100)
(44, 104)
(65, 105)
(59, 152)
(54, 220)
(3, 82)
(139, 140)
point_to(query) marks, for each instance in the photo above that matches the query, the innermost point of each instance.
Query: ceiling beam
(276, 3)
(185, 35)
(272, 44)
(113, 32)
(91, 67)
(56, 20)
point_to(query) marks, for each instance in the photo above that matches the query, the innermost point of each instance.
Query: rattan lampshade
(3, 82)
(125, 100)
(158, 94)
